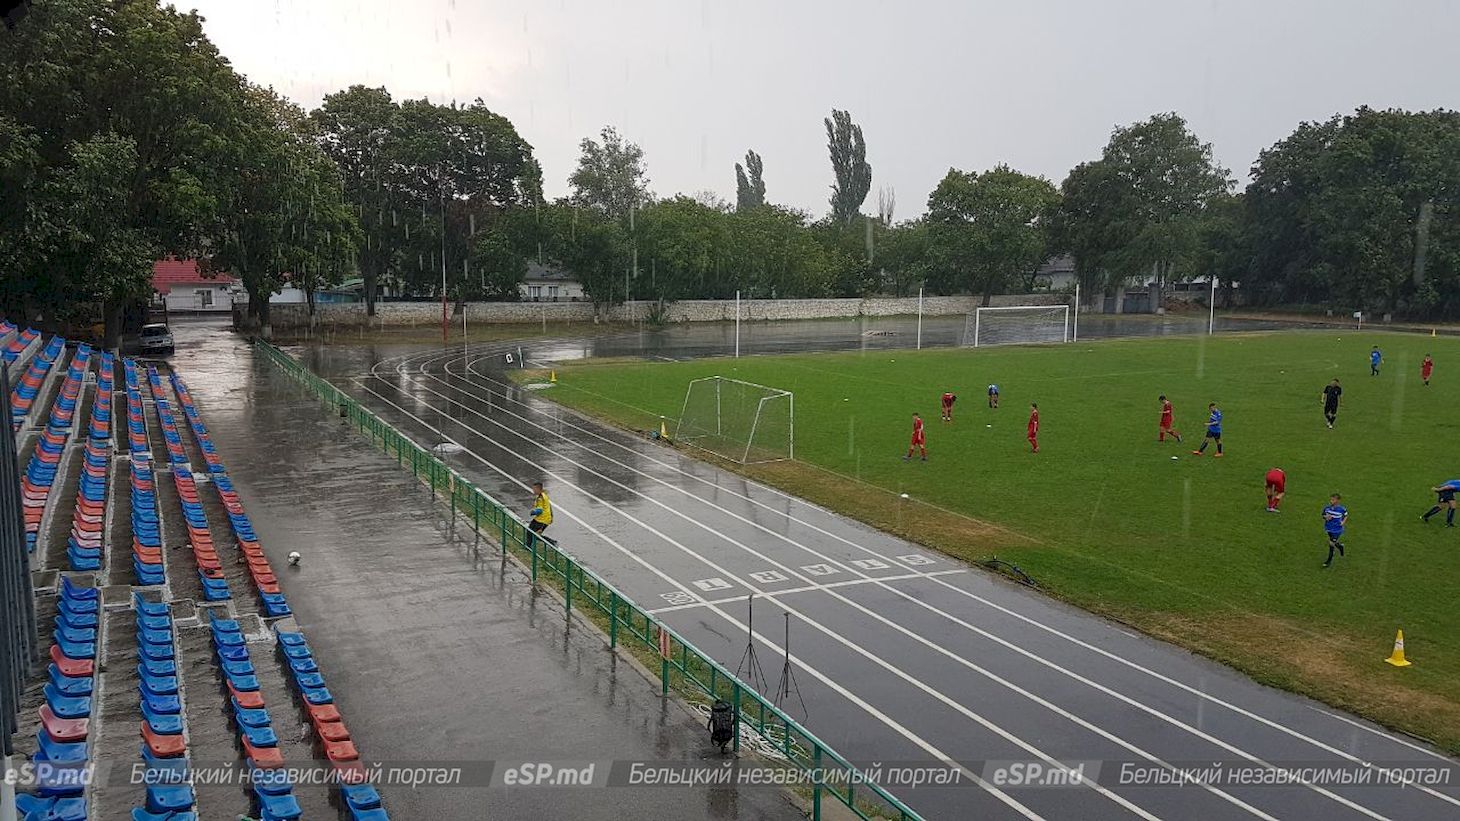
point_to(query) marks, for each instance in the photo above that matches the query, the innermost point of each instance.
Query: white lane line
(809, 588)
(878, 660)
(819, 570)
(871, 710)
(1217, 700)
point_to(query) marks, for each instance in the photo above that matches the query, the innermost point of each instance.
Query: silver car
(156, 339)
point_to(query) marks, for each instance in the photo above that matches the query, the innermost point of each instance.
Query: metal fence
(682, 666)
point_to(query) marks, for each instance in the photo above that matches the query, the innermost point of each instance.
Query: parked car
(156, 339)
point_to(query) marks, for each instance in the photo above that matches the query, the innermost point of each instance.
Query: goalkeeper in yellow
(542, 512)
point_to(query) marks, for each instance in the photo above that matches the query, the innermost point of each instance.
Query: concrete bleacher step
(116, 732)
(212, 739)
(116, 559)
(177, 554)
(296, 739)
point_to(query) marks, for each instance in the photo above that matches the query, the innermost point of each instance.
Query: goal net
(741, 421)
(1019, 324)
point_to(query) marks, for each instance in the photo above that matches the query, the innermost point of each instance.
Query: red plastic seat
(163, 746)
(322, 712)
(341, 751)
(262, 757)
(69, 667)
(251, 699)
(332, 731)
(64, 729)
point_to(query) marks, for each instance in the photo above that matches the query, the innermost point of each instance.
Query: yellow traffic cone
(663, 431)
(1396, 658)
(552, 376)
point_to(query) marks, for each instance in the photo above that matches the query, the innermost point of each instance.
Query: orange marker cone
(1396, 658)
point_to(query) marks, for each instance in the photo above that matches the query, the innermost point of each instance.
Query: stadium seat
(165, 705)
(161, 723)
(75, 592)
(66, 685)
(65, 706)
(163, 746)
(69, 667)
(164, 799)
(54, 750)
(42, 808)
(63, 729)
(322, 712)
(278, 806)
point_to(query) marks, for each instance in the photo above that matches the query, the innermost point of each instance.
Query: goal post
(1017, 325)
(738, 420)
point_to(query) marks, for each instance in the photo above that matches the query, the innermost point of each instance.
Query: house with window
(181, 286)
(547, 284)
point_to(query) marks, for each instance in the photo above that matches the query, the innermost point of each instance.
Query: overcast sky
(934, 83)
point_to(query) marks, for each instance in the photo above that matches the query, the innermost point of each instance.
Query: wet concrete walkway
(434, 652)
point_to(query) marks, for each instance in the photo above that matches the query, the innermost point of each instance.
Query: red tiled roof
(169, 272)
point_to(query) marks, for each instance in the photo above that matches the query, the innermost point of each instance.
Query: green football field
(1104, 517)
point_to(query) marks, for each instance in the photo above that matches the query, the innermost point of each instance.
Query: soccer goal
(741, 421)
(1017, 324)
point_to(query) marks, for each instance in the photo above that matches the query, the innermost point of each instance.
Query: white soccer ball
(904, 495)
(294, 558)
(1174, 458)
(988, 426)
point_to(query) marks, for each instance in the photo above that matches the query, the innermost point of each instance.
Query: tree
(749, 184)
(610, 176)
(354, 127)
(849, 166)
(990, 226)
(1135, 211)
(125, 102)
(500, 265)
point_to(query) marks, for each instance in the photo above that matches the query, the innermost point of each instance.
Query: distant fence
(399, 314)
(682, 666)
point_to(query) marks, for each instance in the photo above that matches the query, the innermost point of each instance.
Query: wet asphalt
(436, 653)
(900, 654)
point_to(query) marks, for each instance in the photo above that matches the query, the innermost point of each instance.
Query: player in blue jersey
(1446, 493)
(1214, 430)
(993, 396)
(1375, 359)
(1335, 516)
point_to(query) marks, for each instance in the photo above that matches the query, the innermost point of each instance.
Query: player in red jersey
(1426, 367)
(1034, 427)
(948, 400)
(1166, 422)
(1277, 484)
(919, 442)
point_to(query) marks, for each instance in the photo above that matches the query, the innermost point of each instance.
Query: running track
(901, 654)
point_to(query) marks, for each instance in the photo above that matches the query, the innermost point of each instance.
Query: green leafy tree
(611, 176)
(991, 227)
(849, 166)
(500, 265)
(749, 183)
(1136, 211)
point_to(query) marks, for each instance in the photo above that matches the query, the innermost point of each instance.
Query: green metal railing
(682, 666)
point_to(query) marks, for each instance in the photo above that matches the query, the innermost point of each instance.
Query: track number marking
(709, 585)
(678, 597)
(768, 576)
(869, 564)
(820, 569)
(915, 559)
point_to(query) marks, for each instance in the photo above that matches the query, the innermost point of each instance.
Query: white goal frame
(770, 394)
(978, 321)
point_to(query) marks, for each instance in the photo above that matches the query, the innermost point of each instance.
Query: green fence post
(532, 547)
(816, 782)
(735, 701)
(613, 619)
(663, 675)
(568, 587)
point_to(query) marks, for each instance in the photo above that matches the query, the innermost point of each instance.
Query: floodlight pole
(1212, 309)
(737, 324)
(442, 190)
(920, 317)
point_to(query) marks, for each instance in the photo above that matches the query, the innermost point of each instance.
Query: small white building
(184, 289)
(544, 284)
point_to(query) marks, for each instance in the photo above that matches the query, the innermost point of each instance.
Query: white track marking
(895, 670)
(903, 594)
(738, 625)
(969, 594)
(809, 588)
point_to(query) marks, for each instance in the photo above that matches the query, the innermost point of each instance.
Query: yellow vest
(546, 516)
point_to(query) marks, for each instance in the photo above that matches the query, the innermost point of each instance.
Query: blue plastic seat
(274, 604)
(318, 696)
(232, 653)
(81, 606)
(277, 781)
(76, 649)
(227, 639)
(155, 622)
(282, 807)
(164, 667)
(169, 798)
(148, 608)
(375, 814)
(225, 625)
(238, 668)
(303, 665)
(161, 723)
(155, 652)
(215, 589)
(360, 796)
(296, 651)
(290, 638)
(162, 637)
(75, 635)
(75, 618)
(309, 681)
(162, 705)
(244, 683)
(53, 750)
(139, 814)
(77, 592)
(157, 685)
(69, 685)
(36, 808)
(259, 736)
(66, 706)
(247, 717)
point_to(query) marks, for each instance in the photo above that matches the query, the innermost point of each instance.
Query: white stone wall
(397, 314)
